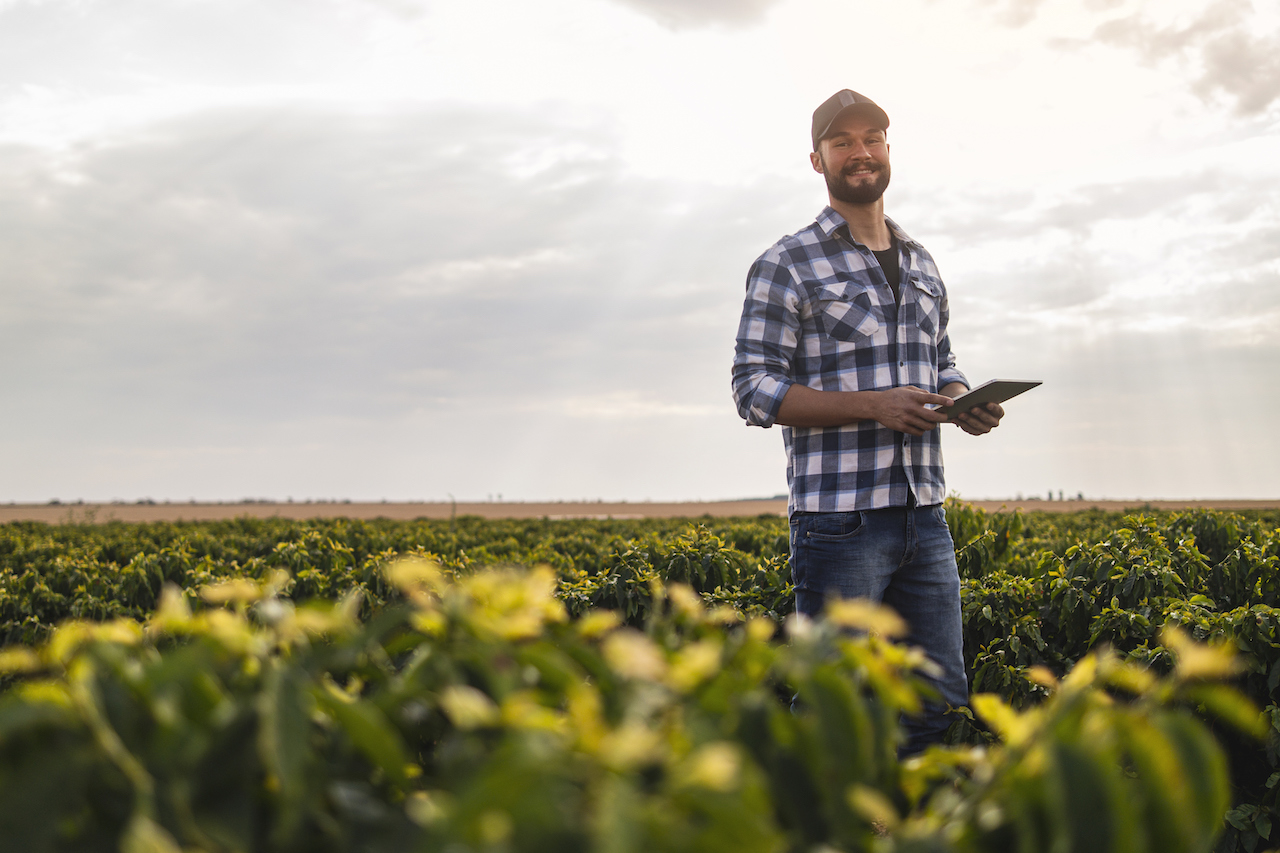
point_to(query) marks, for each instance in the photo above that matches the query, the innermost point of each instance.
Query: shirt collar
(829, 221)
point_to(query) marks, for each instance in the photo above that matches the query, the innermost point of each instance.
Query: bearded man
(843, 341)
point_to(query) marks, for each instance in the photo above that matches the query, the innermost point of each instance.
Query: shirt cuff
(951, 374)
(766, 400)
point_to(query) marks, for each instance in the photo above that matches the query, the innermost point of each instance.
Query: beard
(862, 193)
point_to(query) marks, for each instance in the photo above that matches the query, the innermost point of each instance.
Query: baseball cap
(825, 115)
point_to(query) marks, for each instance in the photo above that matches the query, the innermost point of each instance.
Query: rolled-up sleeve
(766, 344)
(947, 370)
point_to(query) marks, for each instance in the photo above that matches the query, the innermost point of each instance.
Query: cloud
(264, 266)
(1221, 196)
(1154, 270)
(1014, 13)
(692, 14)
(1227, 50)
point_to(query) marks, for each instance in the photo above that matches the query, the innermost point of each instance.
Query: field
(607, 682)
(57, 513)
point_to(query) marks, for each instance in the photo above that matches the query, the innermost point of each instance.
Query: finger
(923, 397)
(919, 427)
(982, 417)
(972, 425)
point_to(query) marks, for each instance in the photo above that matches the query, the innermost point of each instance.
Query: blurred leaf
(369, 730)
(694, 664)
(1012, 727)
(1206, 775)
(1043, 676)
(865, 615)
(19, 660)
(1196, 660)
(597, 623)
(1094, 809)
(427, 808)
(468, 708)
(1129, 677)
(143, 835)
(284, 740)
(874, 806)
(715, 766)
(1231, 706)
(232, 591)
(27, 710)
(634, 655)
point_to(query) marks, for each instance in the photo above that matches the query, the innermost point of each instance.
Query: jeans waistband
(882, 509)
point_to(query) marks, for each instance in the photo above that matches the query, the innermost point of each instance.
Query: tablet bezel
(993, 391)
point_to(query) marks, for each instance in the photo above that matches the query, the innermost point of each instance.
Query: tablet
(995, 391)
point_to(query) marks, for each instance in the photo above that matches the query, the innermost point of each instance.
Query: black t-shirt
(889, 264)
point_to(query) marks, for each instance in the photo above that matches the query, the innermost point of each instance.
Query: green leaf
(1162, 785)
(284, 741)
(19, 715)
(1204, 773)
(1093, 810)
(144, 835)
(1231, 706)
(370, 731)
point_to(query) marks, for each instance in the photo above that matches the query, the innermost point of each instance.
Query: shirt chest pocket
(845, 317)
(928, 305)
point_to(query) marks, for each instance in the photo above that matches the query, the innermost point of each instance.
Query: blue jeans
(903, 557)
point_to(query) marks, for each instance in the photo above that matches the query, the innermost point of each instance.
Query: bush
(476, 716)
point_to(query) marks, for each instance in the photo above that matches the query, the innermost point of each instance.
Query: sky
(434, 249)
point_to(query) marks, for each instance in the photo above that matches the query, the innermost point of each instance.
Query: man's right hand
(905, 409)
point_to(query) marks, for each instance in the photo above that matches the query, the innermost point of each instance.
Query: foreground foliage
(477, 716)
(1039, 590)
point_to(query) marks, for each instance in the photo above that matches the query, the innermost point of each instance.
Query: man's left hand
(980, 420)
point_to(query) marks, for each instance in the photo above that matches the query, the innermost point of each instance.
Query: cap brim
(873, 111)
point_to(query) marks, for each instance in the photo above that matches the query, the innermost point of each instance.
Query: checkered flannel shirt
(819, 312)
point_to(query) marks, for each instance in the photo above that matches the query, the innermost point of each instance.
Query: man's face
(854, 158)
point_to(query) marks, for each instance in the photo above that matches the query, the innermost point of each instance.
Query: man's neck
(866, 223)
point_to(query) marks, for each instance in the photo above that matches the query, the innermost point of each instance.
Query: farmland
(598, 684)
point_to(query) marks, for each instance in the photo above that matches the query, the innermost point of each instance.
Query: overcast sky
(409, 249)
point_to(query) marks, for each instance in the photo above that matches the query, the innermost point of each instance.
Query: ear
(816, 159)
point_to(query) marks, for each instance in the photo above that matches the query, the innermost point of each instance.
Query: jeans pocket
(831, 526)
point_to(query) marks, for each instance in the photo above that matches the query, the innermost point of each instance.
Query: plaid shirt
(819, 312)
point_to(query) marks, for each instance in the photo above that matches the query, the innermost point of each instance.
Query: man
(843, 341)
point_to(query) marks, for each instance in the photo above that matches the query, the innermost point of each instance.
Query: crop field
(629, 684)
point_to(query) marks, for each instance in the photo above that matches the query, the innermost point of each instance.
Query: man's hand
(979, 420)
(906, 409)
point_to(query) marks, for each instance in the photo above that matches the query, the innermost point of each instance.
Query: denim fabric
(903, 557)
